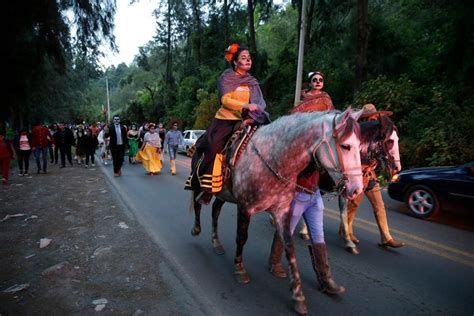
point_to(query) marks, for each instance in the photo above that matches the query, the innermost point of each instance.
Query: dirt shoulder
(99, 258)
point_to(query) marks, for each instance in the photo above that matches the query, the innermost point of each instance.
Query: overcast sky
(134, 27)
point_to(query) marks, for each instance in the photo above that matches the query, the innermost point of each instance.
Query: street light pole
(299, 70)
(108, 99)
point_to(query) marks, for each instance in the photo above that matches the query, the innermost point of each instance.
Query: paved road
(432, 275)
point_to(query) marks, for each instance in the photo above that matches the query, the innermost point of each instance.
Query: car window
(186, 135)
(198, 133)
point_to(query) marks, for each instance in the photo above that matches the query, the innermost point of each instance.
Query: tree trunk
(226, 22)
(168, 47)
(309, 24)
(197, 21)
(252, 40)
(362, 42)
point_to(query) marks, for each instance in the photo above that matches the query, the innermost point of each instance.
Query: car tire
(422, 201)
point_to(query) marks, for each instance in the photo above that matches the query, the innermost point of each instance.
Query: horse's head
(341, 158)
(380, 142)
(390, 145)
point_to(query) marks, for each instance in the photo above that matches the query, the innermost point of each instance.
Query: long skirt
(150, 159)
(132, 147)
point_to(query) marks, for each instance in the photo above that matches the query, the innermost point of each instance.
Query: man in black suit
(118, 144)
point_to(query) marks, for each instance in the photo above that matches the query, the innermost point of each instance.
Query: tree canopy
(412, 57)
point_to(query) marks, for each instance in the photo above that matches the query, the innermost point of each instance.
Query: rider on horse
(238, 90)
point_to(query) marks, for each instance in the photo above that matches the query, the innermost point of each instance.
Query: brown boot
(319, 259)
(274, 262)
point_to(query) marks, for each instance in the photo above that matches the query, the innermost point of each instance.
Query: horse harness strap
(277, 173)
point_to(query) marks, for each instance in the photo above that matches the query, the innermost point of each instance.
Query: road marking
(447, 252)
(450, 253)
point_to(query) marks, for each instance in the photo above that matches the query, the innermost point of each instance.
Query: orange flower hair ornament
(230, 51)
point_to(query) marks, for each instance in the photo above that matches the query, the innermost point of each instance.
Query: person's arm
(12, 149)
(165, 142)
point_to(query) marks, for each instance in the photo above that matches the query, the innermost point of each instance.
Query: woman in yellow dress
(150, 151)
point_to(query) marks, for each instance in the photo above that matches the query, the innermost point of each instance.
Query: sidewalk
(99, 258)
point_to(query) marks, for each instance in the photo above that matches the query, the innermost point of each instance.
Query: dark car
(428, 190)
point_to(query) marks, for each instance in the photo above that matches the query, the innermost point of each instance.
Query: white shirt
(153, 139)
(118, 131)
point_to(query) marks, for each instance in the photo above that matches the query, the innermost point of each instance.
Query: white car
(190, 138)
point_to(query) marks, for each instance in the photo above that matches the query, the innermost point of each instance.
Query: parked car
(427, 191)
(190, 137)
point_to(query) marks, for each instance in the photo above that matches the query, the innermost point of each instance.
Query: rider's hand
(251, 107)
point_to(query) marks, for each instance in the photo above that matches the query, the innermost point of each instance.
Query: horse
(264, 177)
(379, 142)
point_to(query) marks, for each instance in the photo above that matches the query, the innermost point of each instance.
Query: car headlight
(395, 178)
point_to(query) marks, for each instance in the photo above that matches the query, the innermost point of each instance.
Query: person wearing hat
(372, 192)
(238, 90)
(173, 138)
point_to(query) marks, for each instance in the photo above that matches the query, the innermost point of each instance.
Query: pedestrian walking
(173, 138)
(118, 144)
(64, 140)
(7, 153)
(23, 145)
(41, 142)
(149, 154)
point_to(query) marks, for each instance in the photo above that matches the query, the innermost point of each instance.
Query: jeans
(311, 207)
(172, 149)
(24, 157)
(44, 152)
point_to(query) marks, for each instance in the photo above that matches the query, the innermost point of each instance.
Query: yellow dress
(149, 156)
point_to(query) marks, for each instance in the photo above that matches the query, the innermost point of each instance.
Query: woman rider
(237, 90)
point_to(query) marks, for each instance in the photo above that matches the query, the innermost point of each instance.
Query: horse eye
(389, 143)
(346, 147)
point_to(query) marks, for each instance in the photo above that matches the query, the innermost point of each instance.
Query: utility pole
(299, 70)
(108, 99)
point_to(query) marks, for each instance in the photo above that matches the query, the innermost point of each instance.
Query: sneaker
(26, 174)
(93, 165)
(105, 163)
(86, 166)
(21, 173)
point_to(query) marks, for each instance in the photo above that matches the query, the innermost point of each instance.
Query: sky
(134, 27)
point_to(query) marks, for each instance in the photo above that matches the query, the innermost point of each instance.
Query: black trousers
(24, 157)
(118, 152)
(65, 151)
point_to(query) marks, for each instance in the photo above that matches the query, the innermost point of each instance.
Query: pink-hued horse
(264, 178)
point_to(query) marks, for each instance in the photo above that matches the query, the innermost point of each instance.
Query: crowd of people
(55, 144)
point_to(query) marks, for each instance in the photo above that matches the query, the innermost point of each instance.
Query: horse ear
(356, 114)
(342, 119)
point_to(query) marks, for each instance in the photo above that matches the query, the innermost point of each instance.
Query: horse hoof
(219, 249)
(195, 231)
(242, 277)
(300, 308)
(353, 250)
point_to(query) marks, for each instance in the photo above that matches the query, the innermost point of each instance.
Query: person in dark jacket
(118, 144)
(64, 139)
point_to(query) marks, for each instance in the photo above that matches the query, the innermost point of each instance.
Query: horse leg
(197, 216)
(274, 261)
(344, 227)
(295, 278)
(243, 220)
(216, 210)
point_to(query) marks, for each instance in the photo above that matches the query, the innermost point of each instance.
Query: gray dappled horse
(378, 142)
(264, 177)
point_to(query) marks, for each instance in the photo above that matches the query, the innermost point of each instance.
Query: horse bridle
(343, 171)
(340, 186)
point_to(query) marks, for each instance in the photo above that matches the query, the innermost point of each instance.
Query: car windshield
(198, 134)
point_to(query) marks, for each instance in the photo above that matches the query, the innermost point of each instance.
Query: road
(432, 275)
